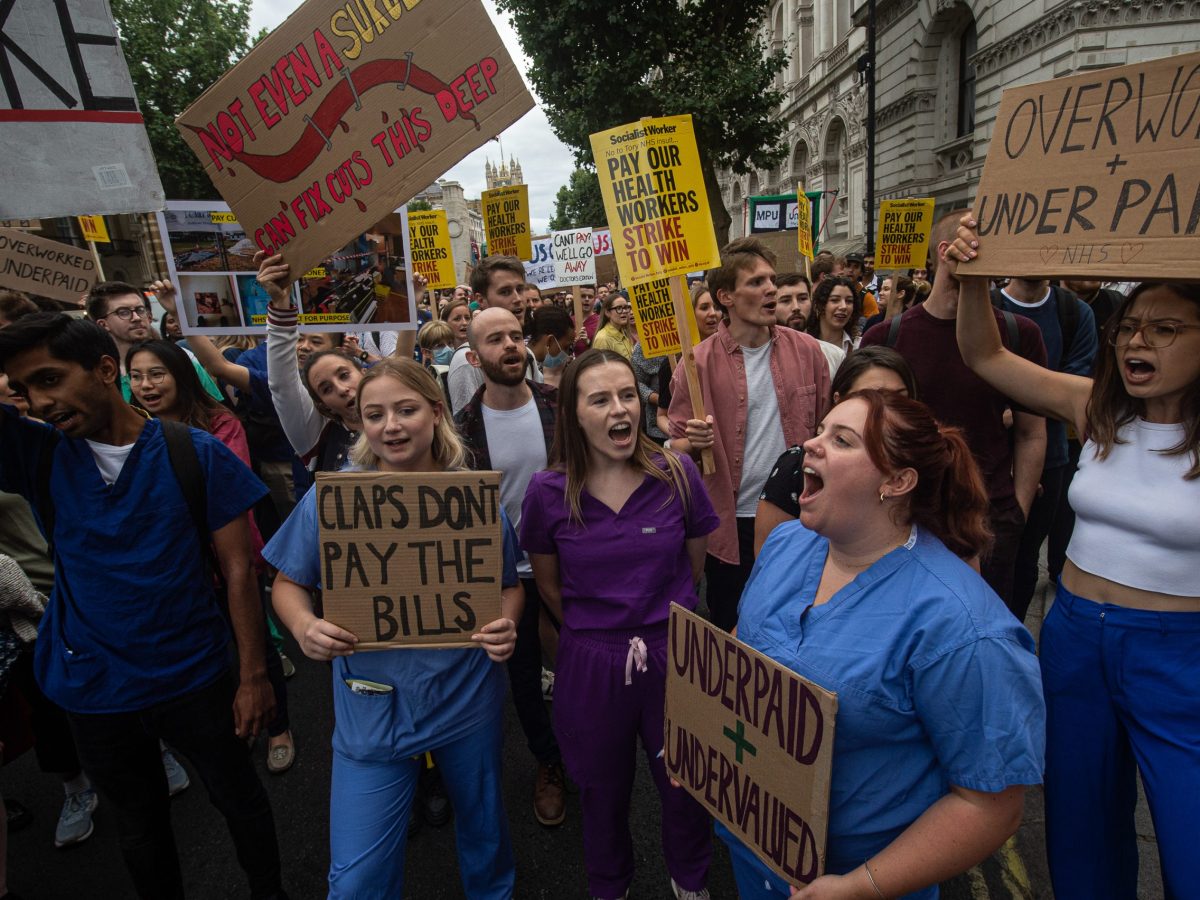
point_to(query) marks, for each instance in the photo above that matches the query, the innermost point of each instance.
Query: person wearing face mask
(550, 341)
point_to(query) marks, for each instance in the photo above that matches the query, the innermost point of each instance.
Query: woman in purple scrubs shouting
(616, 530)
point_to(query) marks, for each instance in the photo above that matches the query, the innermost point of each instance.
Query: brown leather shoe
(549, 794)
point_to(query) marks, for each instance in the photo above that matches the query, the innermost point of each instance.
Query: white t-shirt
(765, 442)
(518, 449)
(110, 460)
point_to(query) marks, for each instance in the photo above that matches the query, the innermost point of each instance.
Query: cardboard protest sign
(753, 742)
(654, 315)
(410, 560)
(574, 257)
(602, 242)
(94, 229)
(804, 234)
(902, 241)
(210, 260)
(539, 269)
(71, 135)
(506, 221)
(346, 111)
(429, 246)
(1095, 175)
(47, 268)
(654, 198)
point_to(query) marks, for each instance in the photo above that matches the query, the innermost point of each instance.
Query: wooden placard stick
(688, 356)
(578, 298)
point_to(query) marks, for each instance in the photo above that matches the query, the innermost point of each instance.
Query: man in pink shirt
(765, 389)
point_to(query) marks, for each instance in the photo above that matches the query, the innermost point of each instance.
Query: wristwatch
(364, 356)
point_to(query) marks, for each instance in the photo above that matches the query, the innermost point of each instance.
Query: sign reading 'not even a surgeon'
(506, 221)
(654, 198)
(753, 742)
(410, 560)
(1095, 175)
(429, 248)
(347, 110)
(47, 268)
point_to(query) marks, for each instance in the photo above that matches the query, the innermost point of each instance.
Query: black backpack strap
(186, 466)
(893, 334)
(1014, 333)
(1068, 319)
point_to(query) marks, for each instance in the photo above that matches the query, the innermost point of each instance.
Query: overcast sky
(545, 161)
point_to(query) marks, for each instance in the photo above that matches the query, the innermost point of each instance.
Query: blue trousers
(369, 806)
(1122, 691)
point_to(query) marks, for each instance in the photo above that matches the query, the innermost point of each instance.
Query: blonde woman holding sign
(393, 705)
(940, 719)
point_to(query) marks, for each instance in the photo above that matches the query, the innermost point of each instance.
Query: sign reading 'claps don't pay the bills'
(346, 111)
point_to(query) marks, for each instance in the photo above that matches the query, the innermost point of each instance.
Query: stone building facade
(506, 175)
(941, 68)
(464, 220)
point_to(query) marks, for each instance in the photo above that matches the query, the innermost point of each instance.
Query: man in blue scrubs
(134, 645)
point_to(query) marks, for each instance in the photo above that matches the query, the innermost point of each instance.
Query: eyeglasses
(153, 376)
(125, 313)
(1156, 334)
(617, 307)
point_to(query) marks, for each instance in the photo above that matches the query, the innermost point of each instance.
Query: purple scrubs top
(619, 570)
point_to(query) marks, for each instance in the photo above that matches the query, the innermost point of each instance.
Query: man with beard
(122, 311)
(508, 427)
(793, 300)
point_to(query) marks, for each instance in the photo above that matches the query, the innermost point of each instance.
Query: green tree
(177, 49)
(419, 206)
(597, 64)
(578, 203)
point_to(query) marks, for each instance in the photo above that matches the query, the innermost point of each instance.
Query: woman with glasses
(617, 332)
(165, 385)
(1121, 645)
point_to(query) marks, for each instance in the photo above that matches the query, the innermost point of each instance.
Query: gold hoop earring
(882, 497)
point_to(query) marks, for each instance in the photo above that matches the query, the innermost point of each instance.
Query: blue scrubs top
(133, 620)
(937, 682)
(439, 696)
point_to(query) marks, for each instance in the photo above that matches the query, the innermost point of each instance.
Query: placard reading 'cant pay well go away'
(410, 560)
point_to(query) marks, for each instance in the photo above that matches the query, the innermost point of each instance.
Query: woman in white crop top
(1120, 648)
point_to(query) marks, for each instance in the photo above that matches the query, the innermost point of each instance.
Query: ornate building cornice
(1077, 15)
(913, 101)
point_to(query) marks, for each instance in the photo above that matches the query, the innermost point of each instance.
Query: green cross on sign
(739, 740)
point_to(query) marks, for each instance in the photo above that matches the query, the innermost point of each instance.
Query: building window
(967, 45)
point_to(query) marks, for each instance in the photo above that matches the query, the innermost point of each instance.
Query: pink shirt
(801, 377)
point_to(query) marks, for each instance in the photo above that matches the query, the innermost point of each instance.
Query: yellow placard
(902, 240)
(429, 248)
(325, 318)
(315, 272)
(506, 222)
(804, 241)
(94, 229)
(654, 198)
(654, 315)
(222, 218)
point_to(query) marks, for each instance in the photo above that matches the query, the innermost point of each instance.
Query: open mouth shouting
(813, 485)
(1137, 369)
(622, 435)
(63, 421)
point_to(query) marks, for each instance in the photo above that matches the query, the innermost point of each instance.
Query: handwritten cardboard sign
(346, 111)
(539, 268)
(506, 221)
(574, 257)
(47, 268)
(902, 241)
(804, 234)
(654, 316)
(654, 198)
(1095, 175)
(753, 742)
(410, 560)
(429, 248)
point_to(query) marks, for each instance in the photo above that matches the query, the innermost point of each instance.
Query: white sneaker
(681, 894)
(177, 776)
(75, 820)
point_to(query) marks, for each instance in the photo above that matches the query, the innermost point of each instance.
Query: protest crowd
(890, 452)
(773, 525)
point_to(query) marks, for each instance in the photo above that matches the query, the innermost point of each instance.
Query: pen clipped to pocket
(370, 688)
